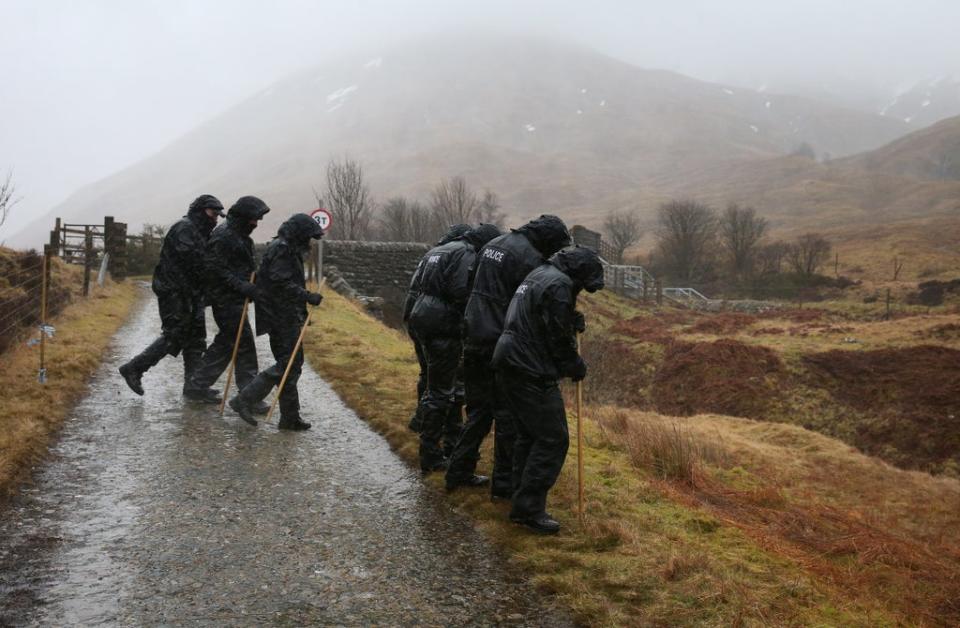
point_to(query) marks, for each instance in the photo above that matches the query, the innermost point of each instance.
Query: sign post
(325, 219)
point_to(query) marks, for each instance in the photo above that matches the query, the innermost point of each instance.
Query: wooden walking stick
(579, 443)
(236, 348)
(293, 356)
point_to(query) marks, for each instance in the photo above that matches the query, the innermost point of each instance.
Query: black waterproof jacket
(283, 294)
(413, 291)
(229, 260)
(444, 289)
(181, 268)
(538, 336)
(501, 265)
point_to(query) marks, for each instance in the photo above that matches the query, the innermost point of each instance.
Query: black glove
(314, 298)
(579, 323)
(579, 370)
(249, 291)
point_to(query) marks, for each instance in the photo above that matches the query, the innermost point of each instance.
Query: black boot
(541, 524)
(261, 407)
(243, 409)
(202, 395)
(473, 481)
(132, 376)
(295, 424)
(133, 371)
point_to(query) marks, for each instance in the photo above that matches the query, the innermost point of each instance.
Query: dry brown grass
(31, 412)
(649, 554)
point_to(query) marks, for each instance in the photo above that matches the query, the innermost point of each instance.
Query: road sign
(323, 217)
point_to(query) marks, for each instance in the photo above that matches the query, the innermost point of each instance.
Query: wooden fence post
(887, 315)
(659, 288)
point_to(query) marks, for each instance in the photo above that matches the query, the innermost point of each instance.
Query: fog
(90, 87)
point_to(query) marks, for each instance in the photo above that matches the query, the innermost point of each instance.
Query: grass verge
(31, 412)
(696, 546)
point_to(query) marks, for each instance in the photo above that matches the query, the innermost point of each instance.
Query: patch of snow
(530, 128)
(925, 103)
(341, 93)
(728, 91)
(266, 92)
(767, 104)
(579, 112)
(335, 107)
(583, 90)
(890, 104)
(754, 128)
(908, 119)
(762, 88)
(373, 63)
(603, 103)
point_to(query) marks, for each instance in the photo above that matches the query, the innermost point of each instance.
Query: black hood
(547, 233)
(481, 234)
(299, 229)
(580, 264)
(453, 232)
(206, 201)
(245, 210)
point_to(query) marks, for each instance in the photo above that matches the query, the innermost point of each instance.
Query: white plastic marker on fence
(236, 348)
(102, 275)
(293, 356)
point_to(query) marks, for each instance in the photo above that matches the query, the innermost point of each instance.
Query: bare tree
(807, 254)
(623, 230)
(686, 234)
(395, 220)
(348, 199)
(741, 230)
(423, 228)
(7, 200)
(453, 202)
(769, 260)
(489, 210)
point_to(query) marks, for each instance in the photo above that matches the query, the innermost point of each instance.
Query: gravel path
(153, 511)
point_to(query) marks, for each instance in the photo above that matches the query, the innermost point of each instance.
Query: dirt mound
(912, 396)
(646, 328)
(617, 373)
(946, 331)
(722, 324)
(723, 377)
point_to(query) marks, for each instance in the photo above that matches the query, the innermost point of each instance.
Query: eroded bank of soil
(153, 511)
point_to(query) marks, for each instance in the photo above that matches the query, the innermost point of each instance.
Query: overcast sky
(90, 86)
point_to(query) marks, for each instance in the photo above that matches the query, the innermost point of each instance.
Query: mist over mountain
(547, 126)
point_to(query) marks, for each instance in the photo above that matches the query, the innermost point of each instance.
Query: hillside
(931, 153)
(698, 520)
(545, 125)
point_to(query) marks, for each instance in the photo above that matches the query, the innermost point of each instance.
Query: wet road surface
(154, 511)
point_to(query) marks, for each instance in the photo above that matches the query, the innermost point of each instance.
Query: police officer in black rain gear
(281, 312)
(229, 262)
(537, 348)
(454, 232)
(178, 282)
(501, 265)
(435, 321)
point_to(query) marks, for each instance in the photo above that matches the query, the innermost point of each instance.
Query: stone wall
(372, 268)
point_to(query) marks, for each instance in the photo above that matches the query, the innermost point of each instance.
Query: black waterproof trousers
(183, 328)
(542, 439)
(416, 421)
(217, 356)
(442, 357)
(281, 344)
(484, 410)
